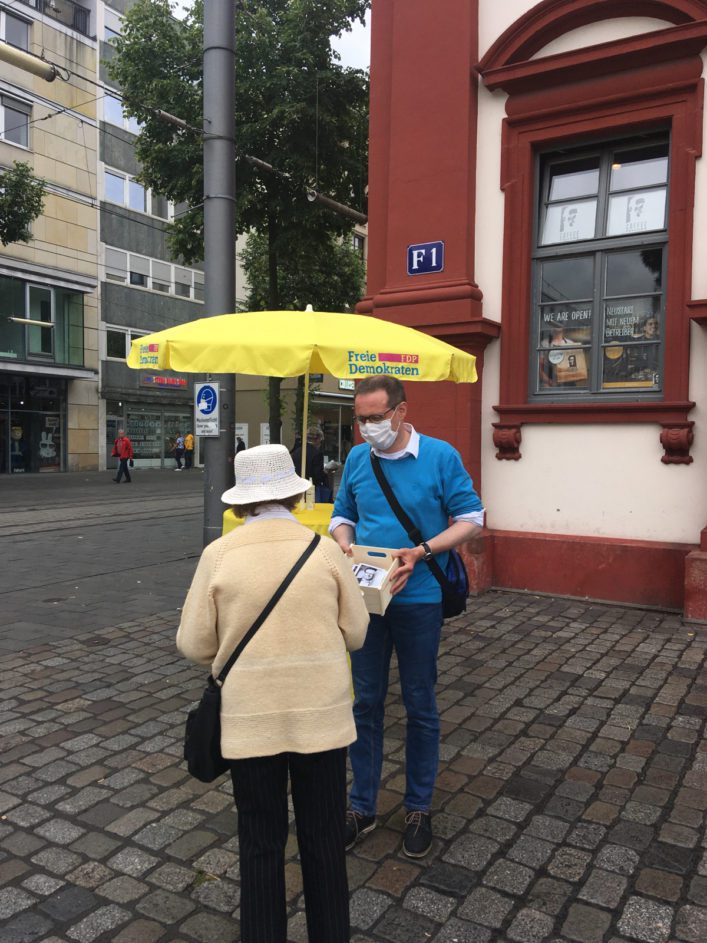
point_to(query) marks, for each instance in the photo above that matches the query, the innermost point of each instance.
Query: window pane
(574, 320)
(113, 110)
(643, 211)
(115, 188)
(133, 125)
(110, 35)
(16, 125)
(198, 286)
(40, 339)
(139, 264)
(16, 32)
(161, 276)
(569, 222)
(116, 265)
(136, 196)
(567, 279)
(138, 278)
(115, 344)
(631, 366)
(633, 273)
(160, 206)
(564, 367)
(629, 318)
(577, 178)
(640, 167)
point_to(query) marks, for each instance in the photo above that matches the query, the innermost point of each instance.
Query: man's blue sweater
(431, 488)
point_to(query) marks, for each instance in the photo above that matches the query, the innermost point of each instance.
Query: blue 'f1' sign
(425, 257)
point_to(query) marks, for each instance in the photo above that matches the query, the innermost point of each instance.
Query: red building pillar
(422, 188)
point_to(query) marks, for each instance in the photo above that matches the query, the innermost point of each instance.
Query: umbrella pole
(305, 413)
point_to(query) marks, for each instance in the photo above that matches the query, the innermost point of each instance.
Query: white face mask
(380, 435)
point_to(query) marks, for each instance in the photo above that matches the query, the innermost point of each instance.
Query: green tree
(21, 202)
(330, 278)
(297, 109)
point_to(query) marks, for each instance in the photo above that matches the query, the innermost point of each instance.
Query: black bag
(202, 736)
(453, 581)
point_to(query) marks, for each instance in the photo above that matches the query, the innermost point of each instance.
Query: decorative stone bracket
(676, 439)
(507, 440)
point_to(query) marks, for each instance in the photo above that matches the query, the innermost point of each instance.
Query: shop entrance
(151, 430)
(32, 424)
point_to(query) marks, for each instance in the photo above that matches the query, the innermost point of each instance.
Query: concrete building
(552, 152)
(49, 373)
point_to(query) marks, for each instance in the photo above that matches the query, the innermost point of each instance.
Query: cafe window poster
(632, 344)
(569, 222)
(641, 211)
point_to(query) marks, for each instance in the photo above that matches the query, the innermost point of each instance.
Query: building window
(112, 26)
(127, 191)
(151, 273)
(599, 272)
(57, 332)
(119, 339)
(359, 244)
(14, 121)
(14, 30)
(113, 114)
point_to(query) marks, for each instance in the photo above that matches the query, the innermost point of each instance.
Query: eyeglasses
(376, 418)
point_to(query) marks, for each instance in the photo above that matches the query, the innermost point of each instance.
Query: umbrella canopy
(291, 343)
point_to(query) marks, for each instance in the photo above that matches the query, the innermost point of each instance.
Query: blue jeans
(414, 631)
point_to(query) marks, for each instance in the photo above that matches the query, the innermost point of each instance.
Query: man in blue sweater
(430, 482)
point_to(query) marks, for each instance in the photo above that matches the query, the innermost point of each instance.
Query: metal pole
(219, 234)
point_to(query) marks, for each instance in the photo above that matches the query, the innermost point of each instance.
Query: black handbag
(202, 736)
(453, 581)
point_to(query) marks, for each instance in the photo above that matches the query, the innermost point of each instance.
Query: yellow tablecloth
(317, 520)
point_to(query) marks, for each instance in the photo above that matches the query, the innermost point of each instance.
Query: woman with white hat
(286, 702)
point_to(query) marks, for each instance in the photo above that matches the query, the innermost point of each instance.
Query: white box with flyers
(373, 568)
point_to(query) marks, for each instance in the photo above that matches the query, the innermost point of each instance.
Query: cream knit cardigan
(290, 689)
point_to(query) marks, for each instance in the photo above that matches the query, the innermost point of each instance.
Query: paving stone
(123, 889)
(188, 845)
(533, 852)
(691, 924)
(173, 877)
(508, 876)
(366, 907)
(645, 920)
(618, 859)
(471, 852)
(100, 921)
(59, 831)
(603, 888)
(460, 931)
(90, 874)
(57, 860)
(42, 884)
(208, 928)
(547, 828)
(659, 884)
(447, 878)
(165, 907)
(586, 924)
(68, 903)
(13, 900)
(486, 907)
(569, 864)
(549, 895)
(530, 926)
(95, 845)
(425, 901)
(27, 927)
(402, 926)
(140, 931)
(218, 895)
(132, 861)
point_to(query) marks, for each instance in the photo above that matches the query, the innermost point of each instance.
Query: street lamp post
(219, 234)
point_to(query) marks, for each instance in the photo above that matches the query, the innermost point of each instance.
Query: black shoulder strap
(413, 532)
(277, 595)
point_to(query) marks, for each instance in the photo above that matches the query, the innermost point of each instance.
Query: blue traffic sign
(207, 400)
(425, 257)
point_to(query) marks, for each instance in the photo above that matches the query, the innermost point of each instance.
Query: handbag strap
(413, 531)
(277, 595)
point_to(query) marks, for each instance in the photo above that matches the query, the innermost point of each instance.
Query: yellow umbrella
(292, 343)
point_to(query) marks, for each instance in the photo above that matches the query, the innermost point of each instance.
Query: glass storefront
(151, 430)
(32, 424)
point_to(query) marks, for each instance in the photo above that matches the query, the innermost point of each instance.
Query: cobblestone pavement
(570, 803)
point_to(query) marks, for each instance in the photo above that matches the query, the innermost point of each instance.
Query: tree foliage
(21, 202)
(330, 279)
(296, 108)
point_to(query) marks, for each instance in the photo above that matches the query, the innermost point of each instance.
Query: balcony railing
(67, 12)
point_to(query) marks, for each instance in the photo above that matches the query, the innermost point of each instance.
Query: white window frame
(128, 332)
(113, 24)
(21, 106)
(151, 277)
(127, 180)
(127, 124)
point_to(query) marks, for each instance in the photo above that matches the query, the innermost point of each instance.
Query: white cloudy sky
(353, 47)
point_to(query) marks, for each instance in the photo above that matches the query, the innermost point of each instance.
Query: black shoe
(418, 834)
(357, 826)
(115, 480)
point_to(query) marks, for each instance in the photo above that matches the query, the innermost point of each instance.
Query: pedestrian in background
(240, 444)
(179, 451)
(123, 451)
(188, 450)
(314, 464)
(429, 480)
(286, 702)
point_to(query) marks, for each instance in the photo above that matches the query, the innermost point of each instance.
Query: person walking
(286, 702)
(179, 451)
(314, 464)
(430, 482)
(123, 451)
(188, 450)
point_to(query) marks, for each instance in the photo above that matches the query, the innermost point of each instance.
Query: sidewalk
(570, 804)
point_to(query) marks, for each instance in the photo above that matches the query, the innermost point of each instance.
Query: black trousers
(319, 799)
(123, 470)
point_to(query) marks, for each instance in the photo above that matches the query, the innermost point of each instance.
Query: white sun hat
(264, 473)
